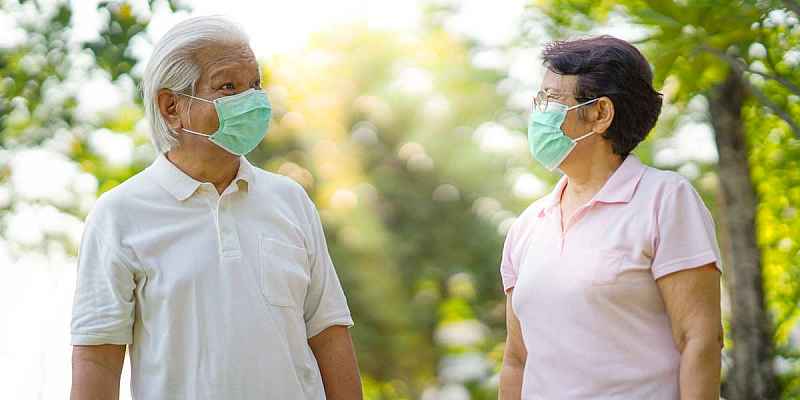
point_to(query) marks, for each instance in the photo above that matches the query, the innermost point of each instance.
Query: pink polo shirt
(592, 317)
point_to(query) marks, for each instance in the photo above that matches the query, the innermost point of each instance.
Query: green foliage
(111, 49)
(30, 73)
(775, 161)
(682, 39)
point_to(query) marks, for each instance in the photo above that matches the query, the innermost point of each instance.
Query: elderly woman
(612, 280)
(213, 272)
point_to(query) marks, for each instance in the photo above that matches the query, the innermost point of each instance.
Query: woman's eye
(228, 86)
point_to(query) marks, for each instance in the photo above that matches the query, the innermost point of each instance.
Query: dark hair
(611, 67)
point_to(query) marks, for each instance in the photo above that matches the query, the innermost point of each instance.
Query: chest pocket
(607, 267)
(604, 267)
(283, 272)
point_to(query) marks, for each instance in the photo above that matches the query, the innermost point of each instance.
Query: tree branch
(780, 112)
(793, 5)
(780, 78)
(741, 68)
(787, 316)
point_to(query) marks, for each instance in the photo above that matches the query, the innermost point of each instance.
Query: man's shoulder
(120, 195)
(123, 199)
(277, 185)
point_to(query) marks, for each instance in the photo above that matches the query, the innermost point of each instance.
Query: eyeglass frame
(548, 94)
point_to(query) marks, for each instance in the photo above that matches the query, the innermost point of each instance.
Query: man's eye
(228, 86)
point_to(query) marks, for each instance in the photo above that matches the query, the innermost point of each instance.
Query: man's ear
(168, 107)
(604, 112)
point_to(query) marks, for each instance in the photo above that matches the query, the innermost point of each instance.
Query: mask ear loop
(583, 104)
(590, 133)
(189, 110)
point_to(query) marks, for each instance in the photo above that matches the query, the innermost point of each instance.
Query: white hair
(173, 66)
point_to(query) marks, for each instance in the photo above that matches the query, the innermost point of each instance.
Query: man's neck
(215, 168)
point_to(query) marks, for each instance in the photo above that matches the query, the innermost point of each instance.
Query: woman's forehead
(557, 83)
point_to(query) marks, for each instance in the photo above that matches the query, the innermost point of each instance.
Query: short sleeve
(325, 303)
(508, 263)
(685, 236)
(103, 306)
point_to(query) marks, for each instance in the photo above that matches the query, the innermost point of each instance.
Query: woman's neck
(587, 175)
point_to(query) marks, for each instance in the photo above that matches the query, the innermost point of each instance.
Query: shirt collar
(619, 188)
(244, 177)
(182, 186)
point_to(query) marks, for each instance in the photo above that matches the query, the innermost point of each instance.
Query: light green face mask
(549, 144)
(243, 121)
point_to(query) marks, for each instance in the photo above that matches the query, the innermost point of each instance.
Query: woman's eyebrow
(555, 93)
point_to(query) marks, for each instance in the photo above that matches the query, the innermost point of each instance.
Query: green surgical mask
(549, 144)
(243, 121)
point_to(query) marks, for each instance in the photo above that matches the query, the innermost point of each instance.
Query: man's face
(226, 70)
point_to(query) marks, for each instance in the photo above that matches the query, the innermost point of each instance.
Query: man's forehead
(225, 69)
(221, 55)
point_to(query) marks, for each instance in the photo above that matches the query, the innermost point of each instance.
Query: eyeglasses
(543, 97)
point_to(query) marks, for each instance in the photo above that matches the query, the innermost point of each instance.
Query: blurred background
(405, 121)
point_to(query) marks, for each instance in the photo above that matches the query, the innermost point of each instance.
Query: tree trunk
(752, 375)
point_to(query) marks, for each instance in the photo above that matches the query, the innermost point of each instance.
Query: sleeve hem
(687, 263)
(508, 283)
(508, 276)
(314, 329)
(89, 339)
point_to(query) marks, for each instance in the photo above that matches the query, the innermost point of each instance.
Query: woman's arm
(514, 357)
(692, 298)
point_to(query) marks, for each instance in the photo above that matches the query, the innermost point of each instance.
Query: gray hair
(173, 66)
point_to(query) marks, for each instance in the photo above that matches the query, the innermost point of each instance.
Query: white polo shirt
(215, 294)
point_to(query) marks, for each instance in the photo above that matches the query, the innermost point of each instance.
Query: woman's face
(593, 117)
(562, 90)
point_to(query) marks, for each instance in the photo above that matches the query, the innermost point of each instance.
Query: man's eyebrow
(219, 73)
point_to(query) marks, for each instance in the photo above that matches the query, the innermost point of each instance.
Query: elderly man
(215, 273)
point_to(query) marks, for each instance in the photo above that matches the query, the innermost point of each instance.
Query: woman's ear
(604, 114)
(168, 107)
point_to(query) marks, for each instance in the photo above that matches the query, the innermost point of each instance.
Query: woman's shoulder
(529, 217)
(658, 186)
(661, 180)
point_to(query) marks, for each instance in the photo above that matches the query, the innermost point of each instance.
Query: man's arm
(333, 349)
(514, 357)
(96, 371)
(692, 298)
